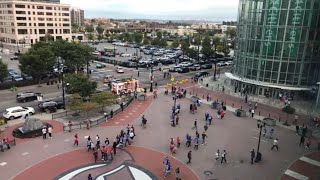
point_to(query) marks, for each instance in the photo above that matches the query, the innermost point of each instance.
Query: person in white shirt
(50, 132)
(44, 133)
(252, 113)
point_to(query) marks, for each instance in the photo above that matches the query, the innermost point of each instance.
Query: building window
(33, 13)
(48, 8)
(42, 31)
(65, 14)
(29, 12)
(65, 9)
(50, 31)
(41, 24)
(66, 25)
(40, 7)
(21, 18)
(20, 6)
(40, 19)
(22, 31)
(64, 19)
(49, 24)
(49, 13)
(49, 19)
(21, 24)
(40, 13)
(66, 31)
(20, 12)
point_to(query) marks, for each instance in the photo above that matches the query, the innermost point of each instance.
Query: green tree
(79, 83)
(100, 37)
(185, 46)
(87, 107)
(165, 33)
(48, 37)
(100, 30)
(3, 70)
(89, 28)
(104, 98)
(38, 60)
(192, 53)
(137, 37)
(127, 37)
(289, 111)
(74, 28)
(90, 37)
(196, 40)
(75, 102)
(145, 41)
(206, 47)
(216, 41)
(156, 42)
(231, 32)
(163, 43)
(175, 43)
(159, 34)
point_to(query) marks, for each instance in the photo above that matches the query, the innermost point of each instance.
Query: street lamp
(151, 78)
(61, 75)
(318, 96)
(259, 155)
(114, 54)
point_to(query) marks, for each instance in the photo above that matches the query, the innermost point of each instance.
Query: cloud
(157, 8)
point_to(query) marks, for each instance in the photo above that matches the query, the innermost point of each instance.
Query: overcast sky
(215, 10)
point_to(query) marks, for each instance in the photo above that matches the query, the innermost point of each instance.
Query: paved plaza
(57, 158)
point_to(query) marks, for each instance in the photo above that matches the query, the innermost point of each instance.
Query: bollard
(269, 115)
(259, 113)
(196, 94)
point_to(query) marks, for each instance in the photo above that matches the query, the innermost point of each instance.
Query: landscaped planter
(269, 121)
(240, 113)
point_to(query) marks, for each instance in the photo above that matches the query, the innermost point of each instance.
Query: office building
(278, 46)
(27, 22)
(77, 17)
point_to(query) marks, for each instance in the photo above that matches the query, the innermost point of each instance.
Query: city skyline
(201, 10)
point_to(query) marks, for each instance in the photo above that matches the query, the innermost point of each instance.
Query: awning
(259, 83)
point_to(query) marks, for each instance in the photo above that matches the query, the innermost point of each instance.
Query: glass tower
(278, 42)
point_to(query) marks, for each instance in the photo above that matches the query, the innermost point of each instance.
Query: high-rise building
(278, 46)
(27, 22)
(77, 17)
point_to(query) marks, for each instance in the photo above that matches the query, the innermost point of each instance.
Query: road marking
(296, 175)
(25, 153)
(122, 119)
(45, 146)
(3, 164)
(310, 161)
(78, 171)
(66, 140)
(261, 139)
(126, 116)
(117, 123)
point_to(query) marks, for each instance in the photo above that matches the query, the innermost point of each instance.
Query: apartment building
(77, 17)
(27, 22)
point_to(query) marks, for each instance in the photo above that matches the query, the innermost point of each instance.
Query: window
(49, 24)
(66, 31)
(48, 8)
(65, 9)
(22, 31)
(40, 19)
(41, 24)
(21, 24)
(21, 18)
(64, 19)
(20, 6)
(49, 13)
(42, 31)
(20, 12)
(40, 13)
(49, 19)
(29, 12)
(50, 31)
(65, 14)
(40, 7)
(65, 25)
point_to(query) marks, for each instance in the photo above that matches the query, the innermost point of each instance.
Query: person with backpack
(168, 170)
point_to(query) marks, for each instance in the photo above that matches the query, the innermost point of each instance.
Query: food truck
(125, 86)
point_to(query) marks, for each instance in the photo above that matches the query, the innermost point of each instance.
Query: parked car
(221, 64)
(17, 78)
(120, 70)
(17, 112)
(195, 67)
(50, 106)
(200, 74)
(27, 77)
(206, 66)
(14, 58)
(126, 55)
(228, 63)
(183, 70)
(27, 96)
(99, 65)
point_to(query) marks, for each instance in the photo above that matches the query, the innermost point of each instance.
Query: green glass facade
(278, 42)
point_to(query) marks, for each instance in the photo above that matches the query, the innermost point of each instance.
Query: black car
(183, 70)
(206, 66)
(27, 96)
(50, 106)
(200, 74)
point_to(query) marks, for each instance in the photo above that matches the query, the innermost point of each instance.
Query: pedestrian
(167, 170)
(205, 127)
(210, 120)
(195, 124)
(76, 140)
(297, 129)
(121, 105)
(98, 142)
(178, 142)
(252, 113)
(253, 155)
(107, 142)
(95, 155)
(44, 133)
(246, 99)
(105, 154)
(217, 155)
(224, 157)
(70, 125)
(88, 124)
(58, 85)
(156, 85)
(111, 114)
(50, 132)
(177, 119)
(256, 105)
(271, 133)
(275, 144)
(89, 145)
(6, 142)
(308, 143)
(196, 143)
(264, 131)
(114, 145)
(189, 157)
(138, 73)
(111, 153)
(301, 140)
(204, 136)
(177, 173)
(89, 177)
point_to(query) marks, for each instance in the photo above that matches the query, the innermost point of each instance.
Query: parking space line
(3, 164)
(310, 161)
(25, 153)
(296, 175)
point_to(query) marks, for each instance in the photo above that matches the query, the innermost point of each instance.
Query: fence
(93, 123)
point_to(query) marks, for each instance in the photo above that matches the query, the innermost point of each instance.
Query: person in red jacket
(178, 142)
(308, 143)
(6, 142)
(76, 140)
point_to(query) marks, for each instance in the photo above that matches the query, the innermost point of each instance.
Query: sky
(213, 10)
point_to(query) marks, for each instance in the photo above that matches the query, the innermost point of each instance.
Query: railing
(94, 123)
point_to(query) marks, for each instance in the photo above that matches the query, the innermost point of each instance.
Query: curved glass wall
(279, 41)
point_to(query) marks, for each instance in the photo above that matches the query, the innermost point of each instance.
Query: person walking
(224, 157)
(308, 143)
(196, 143)
(301, 140)
(107, 142)
(167, 170)
(297, 129)
(121, 105)
(177, 119)
(105, 154)
(98, 142)
(50, 132)
(253, 155)
(256, 105)
(178, 142)
(177, 173)
(189, 157)
(217, 155)
(275, 144)
(111, 153)
(264, 132)
(271, 133)
(95, 155)
(89, 145)
(114, 145)
(204, 136)
(44, 133)
(89, 177)
(195, 124)
(252, 113)
(76, 140)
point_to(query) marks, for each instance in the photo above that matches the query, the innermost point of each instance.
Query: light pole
(318, 96)
(259, 155)
(151, 78)
(62, 81)
(114, 54)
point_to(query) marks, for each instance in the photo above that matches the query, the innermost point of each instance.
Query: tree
(145, 41)
(90, 37)
(289, 111)
(196, 40)
(127, 37)
(163, 43)
(155, 42)
(192, 53)
(231, 32)
(206, 47)
(3, 70)
(38, 60)
(99, 29)
(159, 34)
(75, 102)
(74, 28)
(79, 83)
(175, 43)
(87, 106)
(100, 37)
(104, 98)
(89, 28)
(48, 37)
(137, 37)
(216, 41)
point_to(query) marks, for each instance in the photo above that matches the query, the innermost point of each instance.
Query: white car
(18, 111)
(120, 70)
(221, 64)
(229, 63)
(125, 55)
